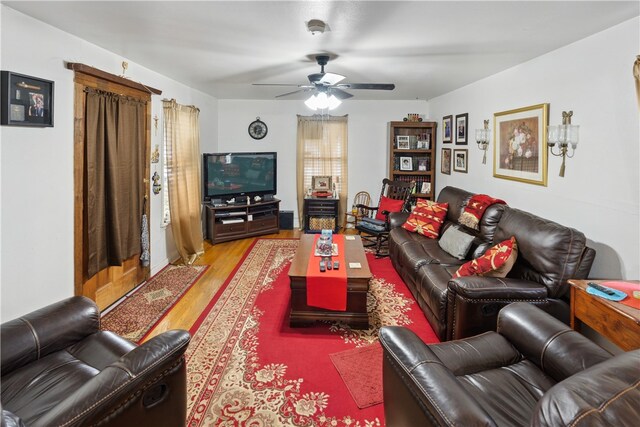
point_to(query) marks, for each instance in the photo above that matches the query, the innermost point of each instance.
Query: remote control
(602, 289)
(336, 265)
(322, 267)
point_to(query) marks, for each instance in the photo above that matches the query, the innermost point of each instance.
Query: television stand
(232, 222)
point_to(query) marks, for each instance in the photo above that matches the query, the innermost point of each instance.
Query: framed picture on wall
(26, 100)
(460, 160)
(461, 130)
(445, 161)
(520, 144)
(446, 129)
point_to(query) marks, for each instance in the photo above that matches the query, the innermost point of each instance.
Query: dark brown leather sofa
(549, 254)
(534, 371)
(59, 369)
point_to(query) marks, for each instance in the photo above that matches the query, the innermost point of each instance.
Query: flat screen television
(229, 175)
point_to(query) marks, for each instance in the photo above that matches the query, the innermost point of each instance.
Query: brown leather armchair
(60, 369)
(534, 371)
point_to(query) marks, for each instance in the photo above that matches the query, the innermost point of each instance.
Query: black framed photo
(462, 121)
(446, 129)
(25, 100)
(460, 160)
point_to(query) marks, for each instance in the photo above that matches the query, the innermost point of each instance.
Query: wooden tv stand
(223, 222)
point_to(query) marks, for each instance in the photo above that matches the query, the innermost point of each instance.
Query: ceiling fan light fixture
(333, 102)
(320, 101)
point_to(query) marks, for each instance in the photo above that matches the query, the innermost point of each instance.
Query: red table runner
(627, 287)
(327, 290)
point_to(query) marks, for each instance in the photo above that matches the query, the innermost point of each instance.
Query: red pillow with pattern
(496, 262)
(389, 205)
(427, 218)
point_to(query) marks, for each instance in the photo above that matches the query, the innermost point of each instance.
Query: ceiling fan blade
(331, 79)
(376, 86)
(291, 93)
(274, 84)
(340, 94)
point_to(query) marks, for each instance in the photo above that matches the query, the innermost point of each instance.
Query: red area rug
(143, 309)
(247, 367)
(361, 371)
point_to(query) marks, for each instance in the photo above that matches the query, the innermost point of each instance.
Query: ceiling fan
(326, 87)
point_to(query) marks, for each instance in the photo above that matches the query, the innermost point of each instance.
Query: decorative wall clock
(258, 129)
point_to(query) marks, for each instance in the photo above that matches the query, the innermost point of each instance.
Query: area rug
(360, 369)
(147, 305)
(247, 367)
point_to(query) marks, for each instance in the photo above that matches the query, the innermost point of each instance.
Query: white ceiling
(426, 48)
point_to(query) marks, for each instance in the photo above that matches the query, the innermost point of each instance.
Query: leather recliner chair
(60, 369)
(535, 371)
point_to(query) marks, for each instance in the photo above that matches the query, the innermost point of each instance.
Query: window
(322, 150)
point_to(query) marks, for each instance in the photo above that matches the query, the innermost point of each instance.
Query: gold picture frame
(520, 144)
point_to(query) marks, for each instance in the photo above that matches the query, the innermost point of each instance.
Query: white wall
(600, 191)
(368, 138)
(36, 165)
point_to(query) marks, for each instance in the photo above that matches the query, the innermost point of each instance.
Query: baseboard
(156, 268)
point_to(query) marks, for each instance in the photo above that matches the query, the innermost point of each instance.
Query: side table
(320, 213)
(615, 321)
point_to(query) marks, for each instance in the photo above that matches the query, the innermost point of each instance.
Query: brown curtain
(322, 151)
(182, 133)
(114, 187)
(636, 75)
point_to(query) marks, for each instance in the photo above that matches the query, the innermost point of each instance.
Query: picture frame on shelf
(406, 163)
(446, 129)
(520, 144)
(26, 100)
(426, 188)
(422, 165)
(321, 183)
(403, 142)
(462, 122)
(445, 161)
(460, 160)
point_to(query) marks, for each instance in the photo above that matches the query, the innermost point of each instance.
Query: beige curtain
(182, 131)
(114, 183)
(636, 74)
(322, 150)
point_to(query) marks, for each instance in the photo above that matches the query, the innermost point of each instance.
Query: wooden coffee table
(356, 315)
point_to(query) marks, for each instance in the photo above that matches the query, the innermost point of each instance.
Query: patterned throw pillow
(389, 205)
(496, 262)
(427, 218)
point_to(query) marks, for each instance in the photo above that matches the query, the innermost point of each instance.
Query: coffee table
(356, 315)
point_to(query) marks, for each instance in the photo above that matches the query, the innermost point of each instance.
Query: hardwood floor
(222, 259)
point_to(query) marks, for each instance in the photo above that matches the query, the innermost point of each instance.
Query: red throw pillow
(427, 218)
(496, 262)
(389, 205)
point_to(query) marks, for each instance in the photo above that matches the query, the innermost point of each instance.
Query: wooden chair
(376, 231)
(361, 199)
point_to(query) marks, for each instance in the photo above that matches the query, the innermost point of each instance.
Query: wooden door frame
(89, 77)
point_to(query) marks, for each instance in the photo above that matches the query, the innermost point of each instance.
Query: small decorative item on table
(324, 245)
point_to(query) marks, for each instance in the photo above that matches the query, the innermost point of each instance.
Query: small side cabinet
(320, 213)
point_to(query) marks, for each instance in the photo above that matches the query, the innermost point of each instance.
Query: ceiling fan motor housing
(316, 26)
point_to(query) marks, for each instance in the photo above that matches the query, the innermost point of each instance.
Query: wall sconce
(564, 135)
(482, 139)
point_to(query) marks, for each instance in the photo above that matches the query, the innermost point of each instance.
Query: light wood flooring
(222, 259)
